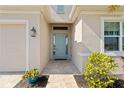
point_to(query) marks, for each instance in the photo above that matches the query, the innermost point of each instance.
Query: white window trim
(112, 19)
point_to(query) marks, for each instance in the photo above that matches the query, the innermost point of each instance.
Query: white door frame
(60, 31)
(13, 21)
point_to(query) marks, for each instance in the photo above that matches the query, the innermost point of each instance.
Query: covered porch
(60, 67)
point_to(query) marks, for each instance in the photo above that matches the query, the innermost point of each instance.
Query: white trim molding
(72, 12)
(84, 54)
(13, 21)
(19, 12)
(102, 36)
(101, 12)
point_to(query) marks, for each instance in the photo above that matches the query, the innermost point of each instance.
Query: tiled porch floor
(60, 67)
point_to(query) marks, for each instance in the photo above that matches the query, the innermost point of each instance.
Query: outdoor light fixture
(33, 32)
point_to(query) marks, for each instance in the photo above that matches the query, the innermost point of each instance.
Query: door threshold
(60, 59)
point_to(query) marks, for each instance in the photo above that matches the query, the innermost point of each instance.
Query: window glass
(123, 37)
(66, 44)
(123, 43)
(60, 28)
(123, 29)
(111, 43)
(60, 9)
(54, 45)
(111, 28)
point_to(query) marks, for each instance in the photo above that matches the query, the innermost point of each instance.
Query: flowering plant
(31, 73)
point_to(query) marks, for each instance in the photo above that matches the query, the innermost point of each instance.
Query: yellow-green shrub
(98, 70)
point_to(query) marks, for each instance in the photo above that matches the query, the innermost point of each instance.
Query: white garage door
(12, 47)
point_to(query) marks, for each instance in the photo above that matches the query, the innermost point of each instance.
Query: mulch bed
(80, 81)
(119, 83)
(41, 83)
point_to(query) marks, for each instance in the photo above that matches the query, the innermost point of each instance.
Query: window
(60, 9)
(114, 36)
(60, 28)
(111, 36)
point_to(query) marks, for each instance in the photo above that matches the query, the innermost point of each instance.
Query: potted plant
(31, 76)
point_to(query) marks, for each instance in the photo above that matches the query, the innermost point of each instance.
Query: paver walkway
(60, 67)
(9, 80)
(61, 81)
(61, 74)
(53, 81)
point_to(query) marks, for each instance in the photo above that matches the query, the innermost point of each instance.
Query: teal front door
(60, 46)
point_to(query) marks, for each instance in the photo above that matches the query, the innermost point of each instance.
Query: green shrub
(98, 70)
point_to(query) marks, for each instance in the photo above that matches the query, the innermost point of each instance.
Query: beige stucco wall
(91, 36)
(91, 33)
(91, 40)
(37, 58)
(44, 37)
(77, 43)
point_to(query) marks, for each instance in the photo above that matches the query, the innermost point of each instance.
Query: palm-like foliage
(113, 8)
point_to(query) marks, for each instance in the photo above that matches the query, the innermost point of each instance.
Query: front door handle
(54, 50)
